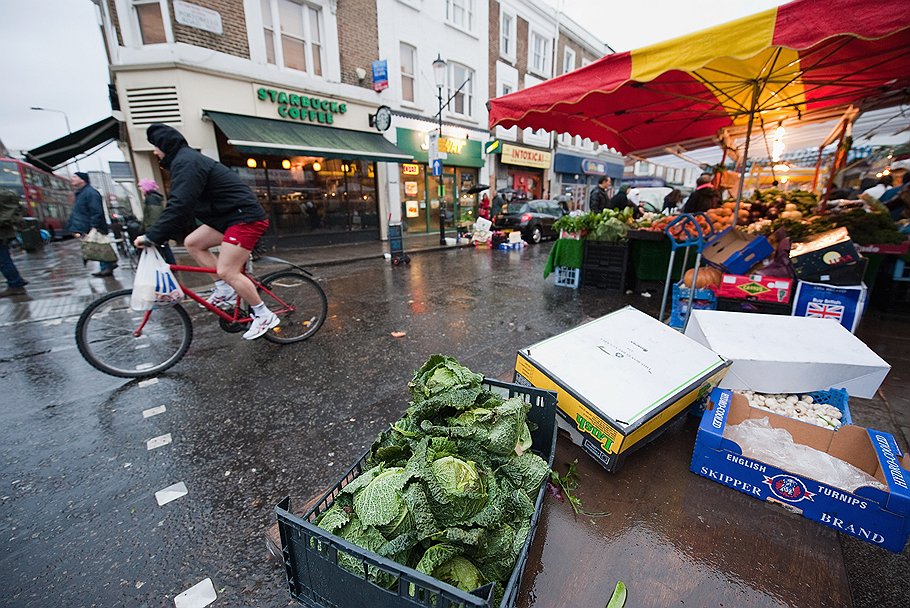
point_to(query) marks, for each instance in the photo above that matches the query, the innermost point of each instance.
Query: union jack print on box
(838, 303)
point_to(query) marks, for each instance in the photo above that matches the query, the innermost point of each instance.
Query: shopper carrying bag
(97, 247)
(155, 285)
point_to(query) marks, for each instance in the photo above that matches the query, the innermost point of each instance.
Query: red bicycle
(122, 342)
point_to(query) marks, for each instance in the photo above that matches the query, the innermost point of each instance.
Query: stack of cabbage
(449, 489)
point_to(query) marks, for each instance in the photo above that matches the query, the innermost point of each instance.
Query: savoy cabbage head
(449, 488)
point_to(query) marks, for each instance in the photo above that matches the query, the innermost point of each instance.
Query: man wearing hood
(88, 213)
(231, 217)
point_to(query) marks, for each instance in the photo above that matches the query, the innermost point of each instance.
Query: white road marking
(154, 411)
(171, 493)
(199, 595)
(148, 382)
(157, 442)
(138, 346)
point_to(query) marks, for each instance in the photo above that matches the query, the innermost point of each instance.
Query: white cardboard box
(620, 379)
(780, 354)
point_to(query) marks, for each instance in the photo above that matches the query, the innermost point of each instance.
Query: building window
(408, 63)
(540, 54)
(461, 13)
(462, 101)
(293, 35)
(507, 35)
(151, 21)
(506, 89)
(568, 63)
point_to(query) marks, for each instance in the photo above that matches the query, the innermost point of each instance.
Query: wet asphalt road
(250, 423)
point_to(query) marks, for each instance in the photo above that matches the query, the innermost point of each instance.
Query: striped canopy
(801, 60)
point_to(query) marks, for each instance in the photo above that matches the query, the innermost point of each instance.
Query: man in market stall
(705, 196)
(598, 200)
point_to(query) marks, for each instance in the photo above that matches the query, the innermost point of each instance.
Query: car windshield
(513, 208)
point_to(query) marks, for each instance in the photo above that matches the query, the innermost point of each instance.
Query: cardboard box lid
(820, 241)
(625, 365)
(780, 354)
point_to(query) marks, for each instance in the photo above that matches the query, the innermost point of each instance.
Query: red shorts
(246, 235)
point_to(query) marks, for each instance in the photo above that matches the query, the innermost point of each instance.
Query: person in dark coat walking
(231, 219)
(88, 213)
(10, 217)
(598, 199)
(705, 196)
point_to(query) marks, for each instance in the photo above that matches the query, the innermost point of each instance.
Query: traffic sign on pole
(437, 167)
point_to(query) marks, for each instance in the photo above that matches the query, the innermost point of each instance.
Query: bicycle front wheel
(106, 335)
(299, 302)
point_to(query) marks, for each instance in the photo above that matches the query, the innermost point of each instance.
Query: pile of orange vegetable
(722, 217)
(708, 276)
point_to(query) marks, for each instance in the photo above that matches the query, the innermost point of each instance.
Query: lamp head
(439, 70)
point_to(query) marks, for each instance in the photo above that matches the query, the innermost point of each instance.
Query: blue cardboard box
(870, 514)
(736, 252)
(843, 304)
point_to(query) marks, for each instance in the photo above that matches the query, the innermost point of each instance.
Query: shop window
(150, 17)
(460, 13)
(408, 64)
(568, 60)
(462, 96)
(314, 196)
(293, 35)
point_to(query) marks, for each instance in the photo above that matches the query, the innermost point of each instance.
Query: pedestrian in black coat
(88, 213)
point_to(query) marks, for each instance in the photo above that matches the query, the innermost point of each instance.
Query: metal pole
(65, 118)
(442, 204)
(742, 170)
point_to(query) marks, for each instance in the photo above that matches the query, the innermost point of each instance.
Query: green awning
(252, 135)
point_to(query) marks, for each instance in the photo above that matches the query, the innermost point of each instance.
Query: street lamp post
(65, 118)
(439, 74)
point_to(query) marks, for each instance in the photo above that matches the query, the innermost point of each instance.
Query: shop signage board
(526, 157)
(590, 166)
(456, 152)
(380, 74)
(784, 354)
(620, 380)
(298, 105)
(880, 517)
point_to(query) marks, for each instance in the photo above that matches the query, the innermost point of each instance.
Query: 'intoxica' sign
(302, 107)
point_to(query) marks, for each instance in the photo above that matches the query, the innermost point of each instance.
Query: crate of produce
(704, 299)
(568, 277)
(605, 265)
(835, 397)
(327, 571)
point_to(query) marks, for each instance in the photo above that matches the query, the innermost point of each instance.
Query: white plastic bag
(155, 285)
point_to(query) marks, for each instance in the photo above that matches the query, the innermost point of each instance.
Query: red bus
(48, 197)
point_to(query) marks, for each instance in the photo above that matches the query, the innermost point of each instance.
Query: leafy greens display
(449, 489)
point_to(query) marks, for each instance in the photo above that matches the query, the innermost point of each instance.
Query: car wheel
(536, 235)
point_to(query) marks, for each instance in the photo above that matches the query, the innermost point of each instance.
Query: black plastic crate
(740, 305)
(311, 554)
(605, 265)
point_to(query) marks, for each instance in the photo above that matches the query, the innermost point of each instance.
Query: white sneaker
(260, 325)
(221, 299)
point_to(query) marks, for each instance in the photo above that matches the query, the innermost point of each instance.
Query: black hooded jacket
(200, 188)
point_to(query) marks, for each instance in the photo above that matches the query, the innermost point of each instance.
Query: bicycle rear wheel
(299, 302)
(106, 336)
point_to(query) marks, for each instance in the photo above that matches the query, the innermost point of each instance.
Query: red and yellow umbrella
(802, 59)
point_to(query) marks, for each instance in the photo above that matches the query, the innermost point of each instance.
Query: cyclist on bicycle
(207, 191)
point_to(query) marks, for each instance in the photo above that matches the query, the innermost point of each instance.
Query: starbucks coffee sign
(298, 106)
